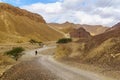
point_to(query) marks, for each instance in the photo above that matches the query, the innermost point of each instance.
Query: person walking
(36, 52)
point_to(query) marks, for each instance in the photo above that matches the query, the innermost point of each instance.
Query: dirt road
(44, 67)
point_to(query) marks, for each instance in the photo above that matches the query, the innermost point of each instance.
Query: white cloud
(72, 4)
(108, 3)
(92, 19)
(1, 1)
(109, 12)
(45, 8)
(104, 12)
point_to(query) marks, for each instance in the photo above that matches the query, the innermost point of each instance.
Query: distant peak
(116, 26)
(67, 22)
(5, 4)
(80, 33)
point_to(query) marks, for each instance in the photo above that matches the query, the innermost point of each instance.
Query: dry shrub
(106, 53)
(63, 51)
(5, 60)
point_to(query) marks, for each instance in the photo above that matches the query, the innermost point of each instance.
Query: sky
(93, 12)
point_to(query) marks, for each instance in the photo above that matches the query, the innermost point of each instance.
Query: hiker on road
(36, 52)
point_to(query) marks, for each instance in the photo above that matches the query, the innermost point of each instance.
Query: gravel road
(44, 67)
(29, 70)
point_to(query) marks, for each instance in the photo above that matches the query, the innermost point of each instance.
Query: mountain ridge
(21, 28)
(21, 12)
(67, 27)
(102, 50)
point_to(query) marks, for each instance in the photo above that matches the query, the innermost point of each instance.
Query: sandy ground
(5, 47)
(44, 67)
(27, 46)
(29, 70)
(68, 72)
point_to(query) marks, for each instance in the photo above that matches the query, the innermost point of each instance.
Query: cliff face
(18, 25)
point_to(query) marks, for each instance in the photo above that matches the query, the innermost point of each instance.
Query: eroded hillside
(18, 25)
(102, 49)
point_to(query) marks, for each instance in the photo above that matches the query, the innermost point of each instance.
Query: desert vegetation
(108, 53)
(15, 53)
(63, 51)
(64, 40)
(105, 57)
(34, 41)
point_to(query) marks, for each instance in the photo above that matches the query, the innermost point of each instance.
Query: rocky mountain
(94, 29)
(67, 27)
(117, 26)
(105, 48)
(80, 33)
(18, 25)
(102, 49)
(20, 12)
(110, 33)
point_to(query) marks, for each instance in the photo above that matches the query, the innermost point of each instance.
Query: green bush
(15, 52)
(34, 41)
(64, 40)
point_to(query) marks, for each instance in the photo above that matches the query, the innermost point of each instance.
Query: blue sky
(94, 12)
(26, 2)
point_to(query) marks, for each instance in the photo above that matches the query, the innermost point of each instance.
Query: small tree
(38, 42)
(15, 52)
(64, 40)
(33, 41)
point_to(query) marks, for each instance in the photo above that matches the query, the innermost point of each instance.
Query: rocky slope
(95, 29)
(102, 49)
(80, 33)
(18, 25)
(65, 27)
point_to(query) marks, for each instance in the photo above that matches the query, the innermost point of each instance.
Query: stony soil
(29, 70)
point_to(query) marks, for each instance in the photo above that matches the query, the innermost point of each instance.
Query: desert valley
(64, 51)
